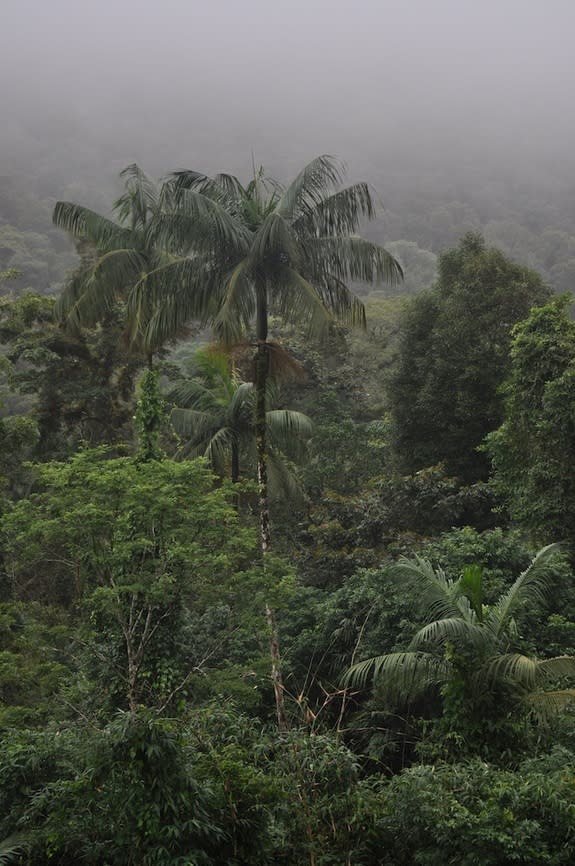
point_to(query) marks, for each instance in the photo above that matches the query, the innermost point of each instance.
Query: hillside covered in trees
(286, 524)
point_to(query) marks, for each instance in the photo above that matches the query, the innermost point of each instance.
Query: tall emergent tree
(261, 248)
(217, 251)
(453, 357)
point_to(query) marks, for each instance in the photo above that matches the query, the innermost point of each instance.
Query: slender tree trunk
(132, 685)
(262, 371)
(235, 461)
(277, 679)
(261, 444)
(236, 471)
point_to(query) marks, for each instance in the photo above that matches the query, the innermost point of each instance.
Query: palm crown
(252, 248)
(115, 254)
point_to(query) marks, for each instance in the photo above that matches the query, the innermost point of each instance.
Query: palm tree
(214, 250)
(216, 418)
(115, 256)
(261, 248)
(470, 648)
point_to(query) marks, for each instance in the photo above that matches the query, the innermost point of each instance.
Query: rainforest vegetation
(286, 523)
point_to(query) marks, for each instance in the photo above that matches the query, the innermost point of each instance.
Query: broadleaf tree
(453, 356)
(533, 451)
(134, 542)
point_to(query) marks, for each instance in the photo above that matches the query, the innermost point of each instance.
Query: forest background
(417, 466)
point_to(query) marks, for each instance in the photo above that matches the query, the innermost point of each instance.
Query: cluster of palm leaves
(12, 849)
(210, 250)
(214, 416)
(467, 640)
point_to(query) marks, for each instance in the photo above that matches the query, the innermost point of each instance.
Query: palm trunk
(235, 461)
(262, 370)
(277, 679)
(261, 444)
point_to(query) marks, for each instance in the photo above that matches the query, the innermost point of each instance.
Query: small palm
(214, 415)
(468, 642)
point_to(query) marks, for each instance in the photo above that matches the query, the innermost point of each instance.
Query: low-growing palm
(470, 648)
(214, 415)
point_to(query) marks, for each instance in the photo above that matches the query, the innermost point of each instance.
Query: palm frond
(193, 424)
(238, 307)
(438, 594)
(463, 633)
(218, 449)
(515, 668)
(337, 215)
(88, 295)
(227, 189)
(296, 298)
(531, 585)
(66, 306)
(12, 847)
(526, 674)
(288, 428)
(85, 224)
(121, 266)
(402, 675)
(139, 199)
(191, 394)
(185, 179)
(559, 666)
(310, 187)
(283, 481)
(352, 258)
(170, 296)
(344, 304)
(274, 241)
(545, 705)
(242, 400)
(201, 224)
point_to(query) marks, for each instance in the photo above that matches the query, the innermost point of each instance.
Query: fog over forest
(434, 103)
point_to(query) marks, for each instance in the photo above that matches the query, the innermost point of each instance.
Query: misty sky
(185, 80)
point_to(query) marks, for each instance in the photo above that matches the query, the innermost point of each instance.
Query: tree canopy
(453, 356)
(536, 481)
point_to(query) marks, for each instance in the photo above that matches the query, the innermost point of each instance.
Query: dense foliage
(453, 356)
(539, 410)
(382, 675)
